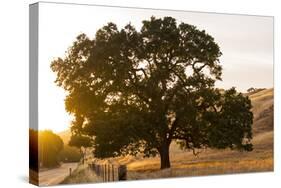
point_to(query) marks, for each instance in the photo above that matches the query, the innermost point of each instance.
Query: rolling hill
(263, 111)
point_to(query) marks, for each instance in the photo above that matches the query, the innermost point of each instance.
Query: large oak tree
(135, 91)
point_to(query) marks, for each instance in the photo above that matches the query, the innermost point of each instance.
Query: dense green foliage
(69, 154)
(252, 90)
(82, 142)
(136, 91)
(50, 145)
(78, 140)
(47, 149)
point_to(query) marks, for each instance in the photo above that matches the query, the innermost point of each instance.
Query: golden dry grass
(263, 110)
(209, 162)
(205, 168)
(82, 174)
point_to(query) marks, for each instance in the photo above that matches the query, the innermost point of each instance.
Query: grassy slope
(82, 174)
(263, 111)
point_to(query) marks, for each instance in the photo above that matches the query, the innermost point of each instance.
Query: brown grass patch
(204, 168)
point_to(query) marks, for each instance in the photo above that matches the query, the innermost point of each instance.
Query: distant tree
(81, 142)
(251, 89)
(254, 90)
(50, 146)
(137, 91)
(70, 154)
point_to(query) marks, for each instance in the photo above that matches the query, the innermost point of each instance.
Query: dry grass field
(82, 174)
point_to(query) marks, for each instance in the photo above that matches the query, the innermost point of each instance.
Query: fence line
(108, 171)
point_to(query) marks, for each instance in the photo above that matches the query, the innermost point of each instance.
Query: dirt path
(55, 176)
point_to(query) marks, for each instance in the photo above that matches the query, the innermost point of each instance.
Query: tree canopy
(137, 91)
(70, 154)
(50, 145)
(82, 142)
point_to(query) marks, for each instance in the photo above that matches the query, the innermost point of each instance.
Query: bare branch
(196, 153)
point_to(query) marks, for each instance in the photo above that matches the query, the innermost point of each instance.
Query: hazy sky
(245, 41)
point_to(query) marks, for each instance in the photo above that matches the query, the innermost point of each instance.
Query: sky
(245, 41)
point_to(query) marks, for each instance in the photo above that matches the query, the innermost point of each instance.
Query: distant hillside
(65, 136)
(262, 102)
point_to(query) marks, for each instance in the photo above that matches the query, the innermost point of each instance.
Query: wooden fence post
(104, 172)
(112, 167)
(108, 172)
(70, 170)
(122, 172)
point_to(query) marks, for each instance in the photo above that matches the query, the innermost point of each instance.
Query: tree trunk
(164, 156)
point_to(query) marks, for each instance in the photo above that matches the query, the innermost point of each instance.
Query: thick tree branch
(173, 128)
(150, 67)
(137, 86)
(196, 153)
(182, 81)
(142, 70)
(198, 69)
